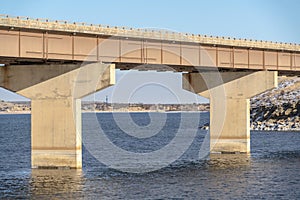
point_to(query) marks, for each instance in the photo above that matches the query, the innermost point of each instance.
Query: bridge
(56, 63)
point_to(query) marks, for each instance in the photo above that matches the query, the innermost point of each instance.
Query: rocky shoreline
(277, 117)
(277, 109)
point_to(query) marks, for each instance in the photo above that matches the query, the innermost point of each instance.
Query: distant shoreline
(15, 113)
(89, 112)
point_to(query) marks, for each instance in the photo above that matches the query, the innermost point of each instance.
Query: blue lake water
(271, 172)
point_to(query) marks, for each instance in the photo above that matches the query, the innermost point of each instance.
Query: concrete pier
(229, 94)
(55, 92)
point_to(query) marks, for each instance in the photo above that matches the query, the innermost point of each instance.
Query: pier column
(55, 93)
(229, 94)
(56, 133)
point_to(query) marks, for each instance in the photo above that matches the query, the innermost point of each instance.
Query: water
(271, 172)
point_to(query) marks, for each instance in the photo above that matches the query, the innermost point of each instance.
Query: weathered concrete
(229, 94)
(56, 107)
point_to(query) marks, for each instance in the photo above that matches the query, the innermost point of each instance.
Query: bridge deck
(26, 40)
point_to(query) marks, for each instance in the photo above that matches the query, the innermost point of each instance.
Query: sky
(272, 20)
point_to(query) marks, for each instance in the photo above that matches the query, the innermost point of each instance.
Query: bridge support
(56, 133)
(229, 94)
(55, 92)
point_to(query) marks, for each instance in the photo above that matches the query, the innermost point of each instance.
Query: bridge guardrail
(45, 24)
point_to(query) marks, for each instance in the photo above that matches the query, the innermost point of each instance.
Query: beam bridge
(56, 63)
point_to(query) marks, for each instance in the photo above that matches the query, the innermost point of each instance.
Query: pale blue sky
(273, 20)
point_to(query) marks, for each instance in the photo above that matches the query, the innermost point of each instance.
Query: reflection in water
(113, 184)
(58, 183)
(228, 173)
(221, 161)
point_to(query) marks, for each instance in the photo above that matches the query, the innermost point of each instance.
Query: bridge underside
(141, 67)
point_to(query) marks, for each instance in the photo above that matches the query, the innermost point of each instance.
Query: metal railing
(45, 24)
